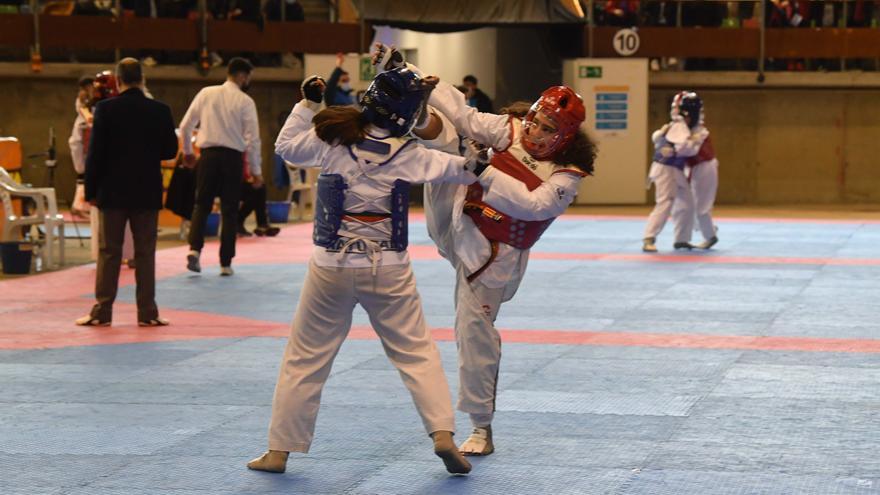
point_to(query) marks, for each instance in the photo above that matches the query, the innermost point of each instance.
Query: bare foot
(445, 449)
(273, 461)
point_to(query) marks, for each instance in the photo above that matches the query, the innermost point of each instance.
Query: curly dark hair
(581, 153)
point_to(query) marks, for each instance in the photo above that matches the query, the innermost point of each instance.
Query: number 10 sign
(626, 42)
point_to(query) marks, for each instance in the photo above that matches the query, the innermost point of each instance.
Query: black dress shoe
(243, 232)
(267, 231)
(192, 262)
(683, 245)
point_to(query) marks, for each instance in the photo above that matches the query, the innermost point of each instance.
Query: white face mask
(345, 86)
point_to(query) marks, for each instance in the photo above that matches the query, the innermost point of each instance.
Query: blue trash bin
(212, 226)
(16, 257)
(279, 211)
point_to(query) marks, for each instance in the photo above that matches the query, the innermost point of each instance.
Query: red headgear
(105, 86)
(565, 109)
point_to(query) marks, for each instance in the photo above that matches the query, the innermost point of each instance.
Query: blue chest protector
(330, 209)
(672, 160)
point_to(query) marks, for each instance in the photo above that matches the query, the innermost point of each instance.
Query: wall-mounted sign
(626, 42)
(590, 72)
(616, 100)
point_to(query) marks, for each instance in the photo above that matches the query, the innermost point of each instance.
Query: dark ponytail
(340, 125)
(518, 109)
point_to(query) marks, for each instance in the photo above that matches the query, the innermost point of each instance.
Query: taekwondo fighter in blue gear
(674, 145)
(367, 164)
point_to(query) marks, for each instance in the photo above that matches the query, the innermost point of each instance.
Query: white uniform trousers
(704, 184)
(479, 344)
(671, 188)
(322, 321)
(476, 307)
(77, 155)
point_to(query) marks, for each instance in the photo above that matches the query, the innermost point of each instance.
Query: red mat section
(37, 312)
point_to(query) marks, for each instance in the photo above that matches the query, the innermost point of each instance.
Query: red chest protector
(706, 153)
(497, 225)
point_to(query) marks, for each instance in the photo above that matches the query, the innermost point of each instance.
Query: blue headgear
(394, 101)
(688, 104)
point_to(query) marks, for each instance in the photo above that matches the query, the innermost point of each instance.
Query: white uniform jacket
(369, 177)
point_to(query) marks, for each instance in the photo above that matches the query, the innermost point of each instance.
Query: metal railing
(840, 12)
(752, 42)
(203, 23)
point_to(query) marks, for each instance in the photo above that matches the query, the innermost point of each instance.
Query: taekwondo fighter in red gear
(702, 171)
(487, 229)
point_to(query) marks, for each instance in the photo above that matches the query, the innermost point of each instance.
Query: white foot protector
(479, 443)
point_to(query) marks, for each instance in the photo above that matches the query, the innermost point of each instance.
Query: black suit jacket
(131, 135)
(484, 103)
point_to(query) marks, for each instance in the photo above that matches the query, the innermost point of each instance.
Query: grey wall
(31, 105)
(774, 145)
(791, 146)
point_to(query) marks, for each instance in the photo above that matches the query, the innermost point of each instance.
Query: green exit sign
(589, 72)
(367, 71)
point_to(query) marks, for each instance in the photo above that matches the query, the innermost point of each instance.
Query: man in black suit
(131, 135)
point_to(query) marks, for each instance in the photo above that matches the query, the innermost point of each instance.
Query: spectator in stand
(623, 13)
(860, 13)
(246, 10)
(475, 97)
(219, 9)
(339, 90)
(779, 13)
(175, 9)
(141, 8)
(702, 14)
(784, 14)
(660, 13)
(293, 11)
(144, 8)
(91, 7)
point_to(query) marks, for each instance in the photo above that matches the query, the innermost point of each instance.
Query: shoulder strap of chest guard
(379, 150)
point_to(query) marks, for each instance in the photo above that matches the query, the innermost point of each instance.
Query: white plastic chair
(308, 190)
(46, 214)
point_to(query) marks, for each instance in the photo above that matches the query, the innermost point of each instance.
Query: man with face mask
(528, 176)
(228, 126)
(339, 90)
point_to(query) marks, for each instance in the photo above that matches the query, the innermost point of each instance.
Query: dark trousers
(219, 172)
(144, 226)
(253, 200)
